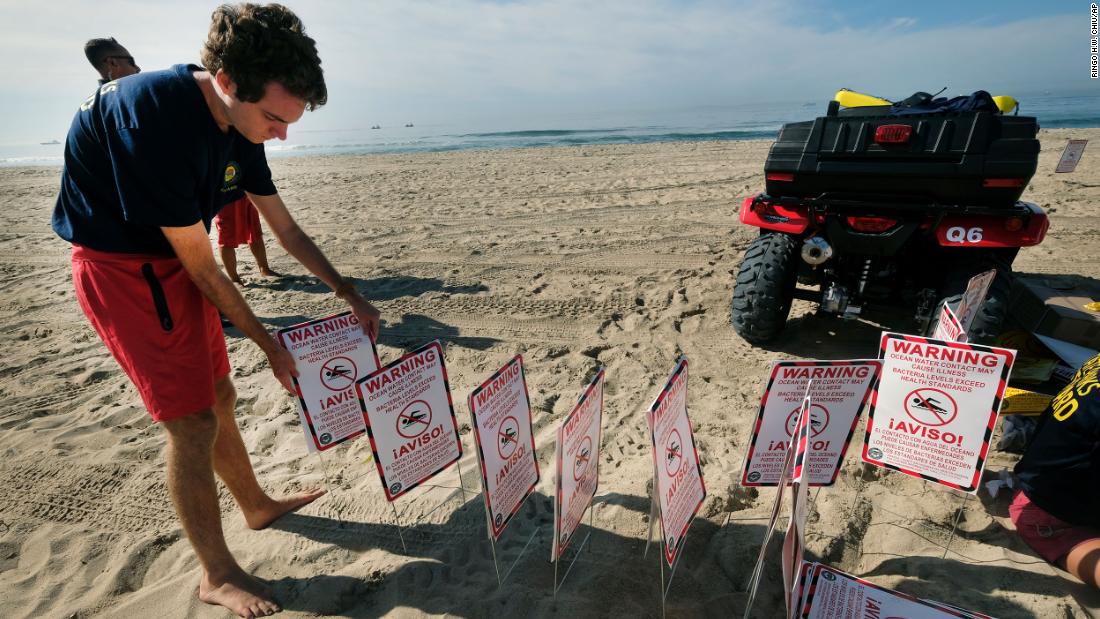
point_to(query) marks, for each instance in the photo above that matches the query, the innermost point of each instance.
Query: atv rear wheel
(990, 318)
(765, 287)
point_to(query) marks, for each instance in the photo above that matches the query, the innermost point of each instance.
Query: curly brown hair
(257, 44)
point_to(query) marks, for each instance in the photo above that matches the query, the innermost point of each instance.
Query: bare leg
(229, 261)
(1084, 562)
(233, 466)
(194, 494)
(260, 252)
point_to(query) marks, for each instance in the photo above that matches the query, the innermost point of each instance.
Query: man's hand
(368, 315)
(298, 244)
(282, 366)
(192, 247)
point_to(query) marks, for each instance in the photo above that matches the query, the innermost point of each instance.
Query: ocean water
(699, 124)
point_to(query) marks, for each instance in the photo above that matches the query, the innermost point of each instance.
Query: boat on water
(50, 143)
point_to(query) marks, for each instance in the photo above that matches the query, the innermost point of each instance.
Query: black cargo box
(971, 158)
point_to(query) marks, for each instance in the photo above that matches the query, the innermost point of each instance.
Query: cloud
(454, 60)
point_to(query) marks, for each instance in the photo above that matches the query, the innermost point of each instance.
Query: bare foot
(236, 279)
(270, 273)
(240, 593)
(262, 518)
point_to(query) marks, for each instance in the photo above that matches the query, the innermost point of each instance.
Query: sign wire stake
(576, 553)
(397, 522)
(954, 527)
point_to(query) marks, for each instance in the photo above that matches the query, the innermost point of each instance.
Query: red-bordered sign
(932, 415)
(839, 391)
(501, 412)
(578, 451)
(329, 354)
(832, 593)
(396, 401)
(680, 489)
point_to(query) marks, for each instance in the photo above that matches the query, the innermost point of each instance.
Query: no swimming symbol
(931, 407)
(584, 456)
(507, 437)
(414, 419)
(674, 453)
(338, 373)
(819, 419)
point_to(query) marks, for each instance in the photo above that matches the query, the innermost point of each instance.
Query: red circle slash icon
(819, 419)
(584, 457)
(416, 418)
(338, 373)
(674, 453)
(507, 437)
(931, 407)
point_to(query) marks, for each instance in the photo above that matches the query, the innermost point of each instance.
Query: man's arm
(298, 244)
(192, 247)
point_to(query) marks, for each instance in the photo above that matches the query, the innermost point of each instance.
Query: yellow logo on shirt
(232, 175)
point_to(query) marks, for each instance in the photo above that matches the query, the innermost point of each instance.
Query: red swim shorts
(163, 332)
(238, 223)
(1048, 536)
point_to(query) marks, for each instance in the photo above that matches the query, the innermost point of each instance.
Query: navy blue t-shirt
(144, 152)
(1060, 470)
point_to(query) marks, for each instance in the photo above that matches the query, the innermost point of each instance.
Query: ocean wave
(541, 133)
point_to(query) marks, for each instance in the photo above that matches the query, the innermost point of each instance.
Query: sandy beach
(621, 256)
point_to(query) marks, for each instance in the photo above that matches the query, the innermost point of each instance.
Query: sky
(521, 62)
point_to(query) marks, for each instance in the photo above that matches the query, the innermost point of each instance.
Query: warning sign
(501, 411)
(832, 593)
(330, 354)
(679, 480)
(838, 393)
(973, 299)
(1071, 155)
(948, 327)
(933, 412)
(410, 419)
(578, 459)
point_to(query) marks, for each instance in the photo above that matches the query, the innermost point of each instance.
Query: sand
(575, 257)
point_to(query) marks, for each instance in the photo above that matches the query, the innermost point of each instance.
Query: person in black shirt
(145, 161)
(1057, 510)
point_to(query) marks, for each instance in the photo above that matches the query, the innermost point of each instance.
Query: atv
(890, 204)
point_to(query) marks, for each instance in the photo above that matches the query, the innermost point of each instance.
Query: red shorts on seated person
(1048, 536)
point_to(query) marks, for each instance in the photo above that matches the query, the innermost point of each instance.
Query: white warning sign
(330, 355)
(578, 464)
(973, 299)
(948, 327)
(933, 412)
(501, 410)
(838, 393)
(410, 419)
(679, 480)
(833, 594)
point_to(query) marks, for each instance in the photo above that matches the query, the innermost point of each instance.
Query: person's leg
(1084, 562)
(233, 466)
(260, 252)
(229, 261)
(191, 485)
